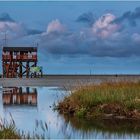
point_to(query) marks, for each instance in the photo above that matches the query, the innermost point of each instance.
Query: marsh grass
(127, 94)
(112, 98)
(8, 130)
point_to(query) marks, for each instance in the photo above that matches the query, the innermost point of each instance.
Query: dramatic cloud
(103, 38)
(14, 29)
(103, 27)
(72, 45)
(88, 18)
(55, 26)
(131, 17)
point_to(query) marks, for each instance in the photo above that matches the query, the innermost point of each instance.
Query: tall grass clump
(120, 99)
(8, 130)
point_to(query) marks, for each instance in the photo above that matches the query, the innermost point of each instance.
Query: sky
(76, 37)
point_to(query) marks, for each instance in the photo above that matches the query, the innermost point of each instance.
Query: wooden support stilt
(27, 69)
(20, 69)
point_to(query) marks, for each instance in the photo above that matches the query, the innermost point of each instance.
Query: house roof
(20, 49)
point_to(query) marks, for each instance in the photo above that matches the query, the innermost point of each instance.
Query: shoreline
(67, 80)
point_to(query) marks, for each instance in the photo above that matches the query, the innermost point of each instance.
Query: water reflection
(43, 119)
(19, 96)
(113, 129)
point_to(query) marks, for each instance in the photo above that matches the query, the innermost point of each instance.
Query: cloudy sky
(76, 37)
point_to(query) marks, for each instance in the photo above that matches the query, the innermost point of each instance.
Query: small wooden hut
(17, 61)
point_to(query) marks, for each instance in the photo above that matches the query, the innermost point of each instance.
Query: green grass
(8, 130)
(9, 133)
(107, 98)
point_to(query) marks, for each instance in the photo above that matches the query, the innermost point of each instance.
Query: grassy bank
(107, 100)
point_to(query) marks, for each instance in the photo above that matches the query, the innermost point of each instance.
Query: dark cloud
(72, 45)
(86, 18)
(18, 30)
(6, 17)
(33, 31)
(131, 17)
(117, 44)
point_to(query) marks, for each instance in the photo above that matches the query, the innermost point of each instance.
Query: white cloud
(103, 27)
(55, 26)
(136, 37)
(13, 29)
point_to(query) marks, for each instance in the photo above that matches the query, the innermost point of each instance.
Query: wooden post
(27, 90)
(27, 70)
(20, 90)
(20, 69)
(35, 75)
(3, 67)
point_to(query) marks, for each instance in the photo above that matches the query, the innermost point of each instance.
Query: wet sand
(66, 80)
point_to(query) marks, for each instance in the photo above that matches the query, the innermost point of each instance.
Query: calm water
(32, 110)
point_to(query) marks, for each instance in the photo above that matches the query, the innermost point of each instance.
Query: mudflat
(66, 80)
